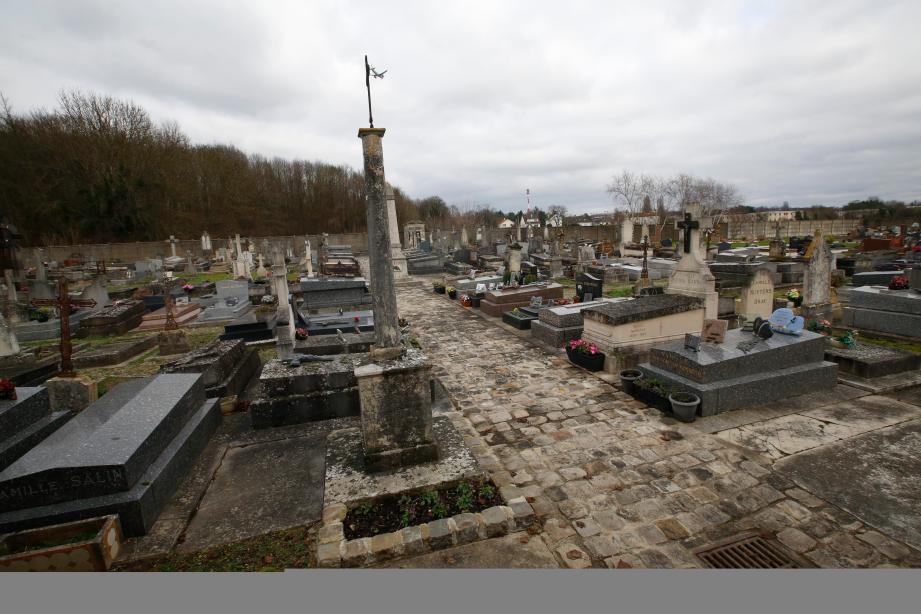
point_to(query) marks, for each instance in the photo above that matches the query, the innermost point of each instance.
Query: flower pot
(439, 289)
(797, 302)
(452, 294)
(85, 545)
(475, 301)
(590, 362)
(627, 379)
(685, 411)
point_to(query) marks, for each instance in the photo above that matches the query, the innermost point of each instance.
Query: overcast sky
(806, 102)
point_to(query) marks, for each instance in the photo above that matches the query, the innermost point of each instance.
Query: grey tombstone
(757, 297)
(817, 276)
(97, 291)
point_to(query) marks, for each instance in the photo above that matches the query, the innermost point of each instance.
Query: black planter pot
(797, 302)
(475, 301)
(590, 362)
(627, 379)
(439, 289)
(685, 411)
(452, 294)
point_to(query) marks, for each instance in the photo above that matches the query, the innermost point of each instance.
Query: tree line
(99, 169)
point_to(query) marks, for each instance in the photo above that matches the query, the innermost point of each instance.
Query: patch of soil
(394, 512)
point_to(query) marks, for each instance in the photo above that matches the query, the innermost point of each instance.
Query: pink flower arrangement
(188, 287)
(583, 346)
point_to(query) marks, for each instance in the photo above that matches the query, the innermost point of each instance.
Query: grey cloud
(810, 102)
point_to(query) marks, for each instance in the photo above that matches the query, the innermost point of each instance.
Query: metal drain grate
(749, 551)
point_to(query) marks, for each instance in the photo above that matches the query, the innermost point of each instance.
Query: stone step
(24, 440)
(725, 361)
(31, 405)
(106, 447)
(140, 506)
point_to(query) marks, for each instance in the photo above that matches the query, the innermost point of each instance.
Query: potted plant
(684, 405)
(438, 287)
(465, 300)
(7, 390)
(847, 340)
(628, 379)
(899, 282)
(585, 354)
(84, 545)
(652, 391)
(819, 326)
(300, 333)
(452, 292)
(795, 297)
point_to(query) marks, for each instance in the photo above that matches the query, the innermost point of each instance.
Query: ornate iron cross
(687, 225)
(63, 302)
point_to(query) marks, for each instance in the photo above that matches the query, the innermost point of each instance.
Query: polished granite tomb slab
(25, 422)
(123, 454)
(743, 371)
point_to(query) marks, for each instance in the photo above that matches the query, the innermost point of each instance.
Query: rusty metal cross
(63, 302)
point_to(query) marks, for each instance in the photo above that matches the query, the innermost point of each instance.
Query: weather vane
(370, 72)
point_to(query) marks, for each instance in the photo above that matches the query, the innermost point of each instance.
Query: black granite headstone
(588, 284)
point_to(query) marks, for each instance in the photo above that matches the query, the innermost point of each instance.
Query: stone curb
(333, 550)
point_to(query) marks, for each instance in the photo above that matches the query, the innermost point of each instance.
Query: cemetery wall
(765, 230)
(130, 252)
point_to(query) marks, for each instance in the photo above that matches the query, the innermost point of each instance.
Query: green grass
(565, 281)
(288, 549)
(619, 292)
(200, 278)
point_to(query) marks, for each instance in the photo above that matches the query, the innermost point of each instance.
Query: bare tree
(626, 190)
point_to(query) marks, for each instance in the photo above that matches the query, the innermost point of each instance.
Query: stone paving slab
(775, 409)
(260, 488)
(876, 477)
(796, 433)
(615, 483)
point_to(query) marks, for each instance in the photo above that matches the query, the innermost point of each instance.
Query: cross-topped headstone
(172, 243)
(687, 225)
(63, 302)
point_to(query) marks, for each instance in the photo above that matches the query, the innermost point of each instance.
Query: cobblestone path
(614, 482)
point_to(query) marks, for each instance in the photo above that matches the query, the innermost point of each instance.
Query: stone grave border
(333, 550)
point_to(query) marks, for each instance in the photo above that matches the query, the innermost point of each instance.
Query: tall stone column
(383, 296)
(394, 389)
(398, 260)
(284, 330)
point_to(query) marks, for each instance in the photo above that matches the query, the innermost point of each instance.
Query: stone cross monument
(172, 244)
(692, 276)
(67, 391)
(394, 388)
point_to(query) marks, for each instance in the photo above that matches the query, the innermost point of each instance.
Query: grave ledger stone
(124, 454)
(742, 371)
(25, 422)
